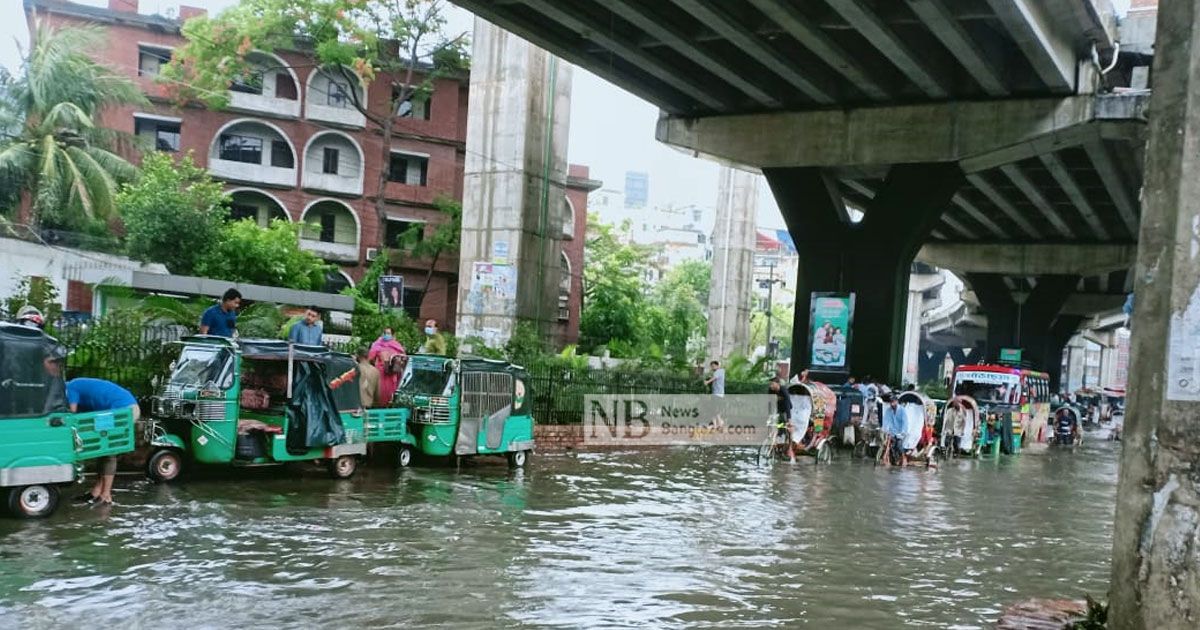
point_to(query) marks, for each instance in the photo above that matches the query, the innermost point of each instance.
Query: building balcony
(343, 116)
(337, 184)
(332, 252)
(262, 104)
(253, 173)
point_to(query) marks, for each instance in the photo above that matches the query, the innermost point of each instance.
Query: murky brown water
(699, 538)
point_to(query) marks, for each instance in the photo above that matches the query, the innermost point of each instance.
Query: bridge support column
(1017, 323)
(1156, 559)
(1060, 334)
(871, 258)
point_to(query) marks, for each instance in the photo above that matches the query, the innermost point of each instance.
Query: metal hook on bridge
(1112, 64)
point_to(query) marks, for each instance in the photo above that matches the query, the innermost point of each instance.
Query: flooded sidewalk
(666, 538)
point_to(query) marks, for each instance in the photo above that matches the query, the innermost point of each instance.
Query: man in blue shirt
(221, 319)
(308, 330)
(93, 394)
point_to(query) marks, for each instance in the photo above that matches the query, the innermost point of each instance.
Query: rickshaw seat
(255, 399)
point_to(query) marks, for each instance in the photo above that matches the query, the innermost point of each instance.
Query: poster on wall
(391, 292)
(831, 317)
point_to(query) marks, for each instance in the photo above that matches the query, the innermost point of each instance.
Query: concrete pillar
(912, 335)
(1060, 333)
(514, 186)
(1156, 541)
(871, 258)
(731, 287)
(1021, 321)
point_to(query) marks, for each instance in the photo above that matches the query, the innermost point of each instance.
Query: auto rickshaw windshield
(429, 379)
(201, 365)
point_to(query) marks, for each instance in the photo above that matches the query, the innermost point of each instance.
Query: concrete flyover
(1009, 123)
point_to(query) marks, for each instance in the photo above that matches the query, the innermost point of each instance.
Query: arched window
(564, 287)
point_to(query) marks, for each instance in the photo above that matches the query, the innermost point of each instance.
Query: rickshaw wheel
(164, 466)
(343, 467)
(404, 458)
(517, 459)
(36, 501)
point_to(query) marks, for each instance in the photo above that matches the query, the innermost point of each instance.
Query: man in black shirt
(783, 407)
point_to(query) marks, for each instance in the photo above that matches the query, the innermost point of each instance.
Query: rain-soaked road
(670, 538)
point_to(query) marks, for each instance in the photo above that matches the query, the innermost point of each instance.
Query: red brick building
(291, 145)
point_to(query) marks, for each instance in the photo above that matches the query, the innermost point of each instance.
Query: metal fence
(137, 356)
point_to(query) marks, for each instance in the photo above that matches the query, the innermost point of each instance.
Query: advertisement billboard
(830, 322)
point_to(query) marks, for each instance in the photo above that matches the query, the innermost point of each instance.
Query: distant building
(570, 288)
(637, 189)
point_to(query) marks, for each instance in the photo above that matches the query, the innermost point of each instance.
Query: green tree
(781, 328)
(403, 41)
(678, 311)
(613, 289)
(444, 239)
(168, 200)
(60, 160)
(270, 256)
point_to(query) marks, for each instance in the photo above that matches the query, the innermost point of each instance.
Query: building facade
(291, 146)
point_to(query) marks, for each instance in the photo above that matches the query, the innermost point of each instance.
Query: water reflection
(678, 538)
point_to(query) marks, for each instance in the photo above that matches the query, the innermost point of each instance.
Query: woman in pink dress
(389, 358)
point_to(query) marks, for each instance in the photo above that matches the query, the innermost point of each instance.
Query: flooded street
(682, 538)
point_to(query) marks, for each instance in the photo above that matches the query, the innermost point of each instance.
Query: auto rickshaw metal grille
(210, 411)
(485, 393)
(439, 410)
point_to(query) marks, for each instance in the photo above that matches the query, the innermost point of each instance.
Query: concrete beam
(1000, 202)
(1089, 304)
(977, 214)
(1030, 24)
(754, 46)
(680, 41)
(1058, 170)
(1029, 259)
(928, 132)
(893, 48)
(948, 30)
(1114, 183)
(632, 53)
(825, 48)
(1039, 201)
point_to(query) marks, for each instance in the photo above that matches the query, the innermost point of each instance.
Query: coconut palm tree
(65, 166)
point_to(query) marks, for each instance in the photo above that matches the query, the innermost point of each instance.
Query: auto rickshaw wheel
(517, 459)
(343, 467)
(165, 466)
(36, 501)
(404, 458)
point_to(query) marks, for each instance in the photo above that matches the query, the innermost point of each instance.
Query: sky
(612, 131)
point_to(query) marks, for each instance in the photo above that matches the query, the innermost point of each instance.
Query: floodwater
(699, 538)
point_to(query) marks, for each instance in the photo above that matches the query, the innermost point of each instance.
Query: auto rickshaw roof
(269, 348)
(480, 364)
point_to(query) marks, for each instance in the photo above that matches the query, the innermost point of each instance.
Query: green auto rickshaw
(466, 407)
(42, 444)
(264, 401)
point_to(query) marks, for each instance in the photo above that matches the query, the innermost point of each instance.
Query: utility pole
(770, 305)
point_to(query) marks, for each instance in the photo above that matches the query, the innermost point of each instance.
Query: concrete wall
(64, 267)
(515, 181)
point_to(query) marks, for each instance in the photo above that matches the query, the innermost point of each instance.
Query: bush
(271, 256)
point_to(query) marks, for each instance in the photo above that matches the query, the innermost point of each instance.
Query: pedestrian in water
(93, 394)
(368, 379)
(389, 357)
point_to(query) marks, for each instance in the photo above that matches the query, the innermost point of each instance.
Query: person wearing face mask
(435, 343)
(389, 358)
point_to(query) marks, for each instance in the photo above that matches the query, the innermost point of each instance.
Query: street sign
(1010, 355)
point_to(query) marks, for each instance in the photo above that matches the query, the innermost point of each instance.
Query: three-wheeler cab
(263, 401)
(466, 407)
(42, 444)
